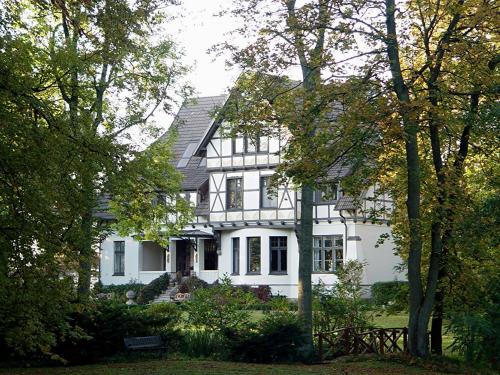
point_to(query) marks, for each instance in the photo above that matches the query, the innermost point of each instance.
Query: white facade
(244, 233)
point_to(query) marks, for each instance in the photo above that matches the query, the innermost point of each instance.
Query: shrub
(391, 295)
(106, 323)
(191, 284)
(167, 318)
(341, 305)
(277, 338)
(263, 293)
(153, 289)
(34, 310)
(476, 328)
(219, 308)
(198, 343)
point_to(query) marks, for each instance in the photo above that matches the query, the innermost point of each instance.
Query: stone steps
(166, 296)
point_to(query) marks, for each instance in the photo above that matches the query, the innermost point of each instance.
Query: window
(277, 248)
(186, 156)
(237, 145)
(327, 253)
(234, 193)
(119, 269)
(258, 144)
(210, 255)
(253, 250)
(236, 256)
(266, 200)
(328, 194)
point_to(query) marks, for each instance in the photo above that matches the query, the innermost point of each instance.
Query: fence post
(320, 345)
(405, 339)
(381, 339)
(394, 341)
(346, 341)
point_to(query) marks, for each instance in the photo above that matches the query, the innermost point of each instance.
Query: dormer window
(329, 193)
(186, 156)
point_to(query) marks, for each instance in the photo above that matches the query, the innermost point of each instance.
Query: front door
(183, 257)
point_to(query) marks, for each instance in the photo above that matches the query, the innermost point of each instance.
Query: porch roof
(195, 233)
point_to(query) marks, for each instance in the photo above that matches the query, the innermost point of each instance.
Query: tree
(426, 46)
(75, 78)
(99, 74)
(265, 101)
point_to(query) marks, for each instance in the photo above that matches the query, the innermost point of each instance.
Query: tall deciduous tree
(441, 59)
(286, 35)
(75, 79)
(100, 74)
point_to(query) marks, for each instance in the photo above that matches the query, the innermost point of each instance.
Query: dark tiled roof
(192, 121)
(101, 211)
(339, 170)
(345, 203)
(202, 208)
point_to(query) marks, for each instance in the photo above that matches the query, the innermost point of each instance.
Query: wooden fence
(347, 341)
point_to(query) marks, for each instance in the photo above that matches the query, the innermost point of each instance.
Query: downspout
(100, 261)
(345, 241)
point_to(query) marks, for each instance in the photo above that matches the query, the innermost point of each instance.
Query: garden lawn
(203, 367)
(401, 320)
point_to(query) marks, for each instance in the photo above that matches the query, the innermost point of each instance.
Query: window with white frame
(327, 253)
(256, 144)
(211, 258)
(119, 258)
(236, 256)
(268, 198)
(278, 250)
(253, 252)
(234, 193)
(237, 146)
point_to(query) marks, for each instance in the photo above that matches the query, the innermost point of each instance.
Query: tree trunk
(417, 330)
(305, 241)
(437, 316)
(85, 251)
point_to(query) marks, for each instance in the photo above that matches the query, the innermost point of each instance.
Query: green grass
(401, 320)
(202, 367)
(390, 321)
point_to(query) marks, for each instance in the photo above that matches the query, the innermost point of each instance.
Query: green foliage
(276, 338)
(391, 296)
(476, 327)
(34, 309)
(219, 308)
(76, 80)
(148, 205)
(341, 305)
(107, 323)
(201, 343)
(153, 289)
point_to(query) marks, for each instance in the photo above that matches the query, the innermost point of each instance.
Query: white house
(242, 231)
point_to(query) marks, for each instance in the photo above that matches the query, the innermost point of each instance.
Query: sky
(195, 28)
(195, 31)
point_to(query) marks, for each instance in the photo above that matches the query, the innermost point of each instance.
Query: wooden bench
(145, 343)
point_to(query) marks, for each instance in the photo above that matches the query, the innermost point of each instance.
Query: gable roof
(192, 121)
